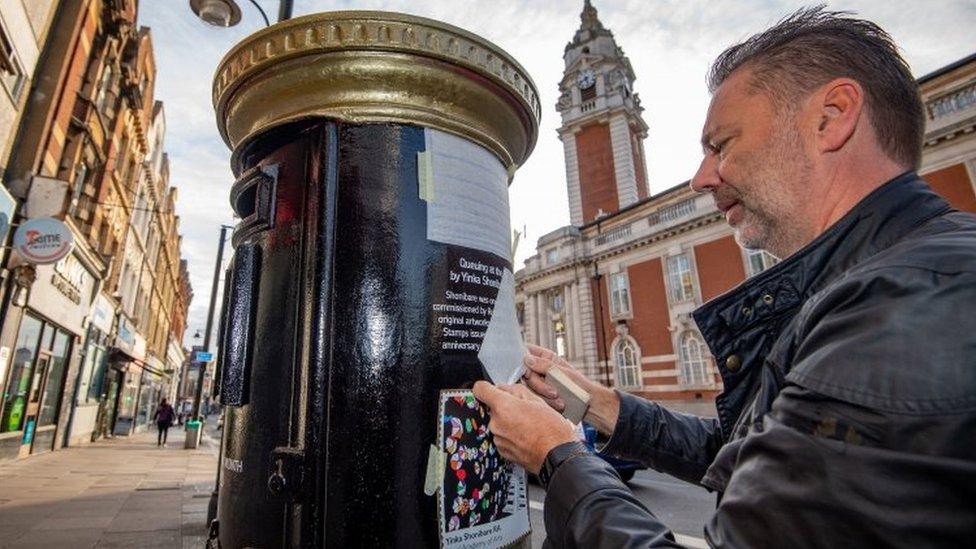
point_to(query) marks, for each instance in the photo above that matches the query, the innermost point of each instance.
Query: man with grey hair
(848, 416)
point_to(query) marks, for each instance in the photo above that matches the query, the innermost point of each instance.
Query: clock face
(586, 79)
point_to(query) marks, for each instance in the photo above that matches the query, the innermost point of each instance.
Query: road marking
(537, 505)
(691, 541)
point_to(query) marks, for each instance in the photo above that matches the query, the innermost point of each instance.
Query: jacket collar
(880, 219)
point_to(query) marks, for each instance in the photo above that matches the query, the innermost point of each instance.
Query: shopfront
(128, 358)
(33, 393)
(150, 393)
(44, 356)
(92, 387)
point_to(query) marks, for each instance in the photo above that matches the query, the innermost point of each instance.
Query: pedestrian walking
(164, 419)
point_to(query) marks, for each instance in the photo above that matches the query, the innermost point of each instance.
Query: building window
(11, 69)
(81, 177)
(626, 359)
(619, 294)
(556, 301)
(694, 360)
(559, 330)
(103, 89)
(681, 285)
(552, 256)
(759, 261)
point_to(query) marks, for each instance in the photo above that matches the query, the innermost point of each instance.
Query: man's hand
(604, 406)
(525, 428)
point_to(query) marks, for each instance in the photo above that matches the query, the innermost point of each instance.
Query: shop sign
(127, 336)
(7, 207)
(139, 348)
(101, 314)
(43, 241)
(71, 278)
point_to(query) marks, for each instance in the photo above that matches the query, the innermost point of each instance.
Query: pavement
(128, 492)
(123, 492)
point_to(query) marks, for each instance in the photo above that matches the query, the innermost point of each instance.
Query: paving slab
(122, 492)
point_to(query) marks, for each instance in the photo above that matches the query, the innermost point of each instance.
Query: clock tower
(602, 129)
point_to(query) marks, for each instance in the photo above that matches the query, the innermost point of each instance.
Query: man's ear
(841, 103)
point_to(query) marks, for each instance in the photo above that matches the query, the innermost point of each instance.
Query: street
(681, 506)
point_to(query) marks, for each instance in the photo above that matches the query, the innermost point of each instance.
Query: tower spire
(589, 18)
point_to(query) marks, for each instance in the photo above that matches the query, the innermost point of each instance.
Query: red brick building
(614, 291)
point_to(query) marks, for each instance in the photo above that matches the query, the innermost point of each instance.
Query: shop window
(19, 381)
(626, 359)
(51, 401)
(759, 261)
(96, 373)
(619, 294)
(681, 284)
(694, 360)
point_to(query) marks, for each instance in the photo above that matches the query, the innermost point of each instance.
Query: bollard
(371, 283)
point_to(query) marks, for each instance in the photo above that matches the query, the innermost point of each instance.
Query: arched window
(694, 360)
(627, 360)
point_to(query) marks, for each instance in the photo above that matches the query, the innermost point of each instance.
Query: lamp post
(596, 277)
(210, 315)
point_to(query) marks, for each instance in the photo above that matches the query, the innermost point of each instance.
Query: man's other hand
(604, 405)
(524, 426)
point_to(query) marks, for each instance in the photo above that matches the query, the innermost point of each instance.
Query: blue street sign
(204, 357)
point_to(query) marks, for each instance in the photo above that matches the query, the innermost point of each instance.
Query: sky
(670, 44)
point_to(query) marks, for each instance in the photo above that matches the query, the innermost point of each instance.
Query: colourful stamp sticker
(480, 494)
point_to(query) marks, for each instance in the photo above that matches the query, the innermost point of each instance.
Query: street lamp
(226, 13)
(219, 13)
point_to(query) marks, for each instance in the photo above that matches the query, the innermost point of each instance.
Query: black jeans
(163, 427)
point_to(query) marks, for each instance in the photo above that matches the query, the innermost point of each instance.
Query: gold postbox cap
(370, 66)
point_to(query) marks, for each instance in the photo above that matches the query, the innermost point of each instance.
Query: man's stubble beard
(772, 219)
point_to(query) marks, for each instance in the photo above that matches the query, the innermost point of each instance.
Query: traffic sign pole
(210, 315)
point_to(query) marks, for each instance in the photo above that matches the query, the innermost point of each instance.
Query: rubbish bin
(193, 430)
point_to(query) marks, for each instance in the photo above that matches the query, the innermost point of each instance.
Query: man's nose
(706, 179)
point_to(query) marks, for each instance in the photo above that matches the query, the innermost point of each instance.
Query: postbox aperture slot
(253, 199)
(239, 330)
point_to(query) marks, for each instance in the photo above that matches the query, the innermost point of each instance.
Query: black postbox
(371, 284)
